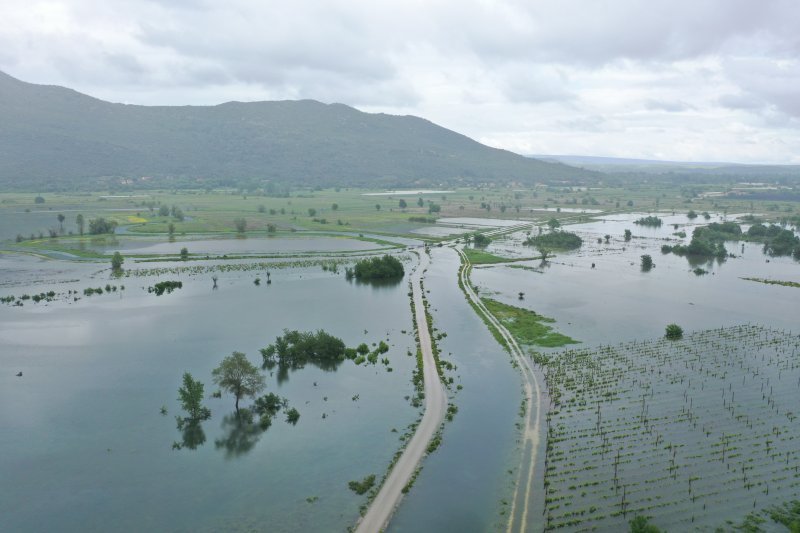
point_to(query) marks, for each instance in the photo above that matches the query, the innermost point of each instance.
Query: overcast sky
(697, 80)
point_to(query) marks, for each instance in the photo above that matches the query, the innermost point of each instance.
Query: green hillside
(53, 137)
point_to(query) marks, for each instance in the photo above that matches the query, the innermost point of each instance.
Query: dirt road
(384, 504)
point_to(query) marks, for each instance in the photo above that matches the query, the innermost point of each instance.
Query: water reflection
(281, 370)
(193, 435)
(377, 283)
(240, 433)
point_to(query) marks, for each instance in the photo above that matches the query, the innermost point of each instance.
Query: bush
(378, 268)
(674, 332)
(479, 239)
(165, 286)
(649, 221)
(360, 487)
(557, 240)
(295, 349)
(98, 226)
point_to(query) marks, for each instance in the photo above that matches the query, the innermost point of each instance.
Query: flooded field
(82, 433)
(693, 432)
(248, 245)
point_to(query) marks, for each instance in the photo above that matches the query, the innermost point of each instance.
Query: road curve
(382, 507)
(518, 518)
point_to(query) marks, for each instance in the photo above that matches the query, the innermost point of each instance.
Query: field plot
(692, 433)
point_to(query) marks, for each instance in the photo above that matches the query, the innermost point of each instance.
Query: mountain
(615, 165)
(55, 137)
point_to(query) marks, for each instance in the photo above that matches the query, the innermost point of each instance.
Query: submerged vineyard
(692, 433)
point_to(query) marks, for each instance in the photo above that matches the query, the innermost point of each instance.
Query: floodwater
(616, 301)
(478, 222)
(247, 245)
(85, 448)
(462, 484)
(419, 191)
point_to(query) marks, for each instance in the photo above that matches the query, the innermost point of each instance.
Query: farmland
(690, 432)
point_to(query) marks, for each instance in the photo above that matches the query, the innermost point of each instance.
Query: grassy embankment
(527, 326)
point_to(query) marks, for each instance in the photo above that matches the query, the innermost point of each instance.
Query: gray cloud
(618, 78)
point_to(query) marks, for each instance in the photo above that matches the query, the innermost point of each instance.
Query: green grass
(527, 326)
(481, 257)
(213, 212)
(477, 256)
(775, 282)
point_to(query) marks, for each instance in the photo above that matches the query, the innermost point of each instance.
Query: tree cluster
(295, 348)
(99, 226)
(377, 268)
(649, 221)
(557, 240)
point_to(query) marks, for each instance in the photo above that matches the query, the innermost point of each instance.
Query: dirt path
(518, 517)
(387, 499)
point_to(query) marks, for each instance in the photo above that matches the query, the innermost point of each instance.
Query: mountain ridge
(57, 136)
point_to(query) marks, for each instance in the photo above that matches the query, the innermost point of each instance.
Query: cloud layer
(683, 80)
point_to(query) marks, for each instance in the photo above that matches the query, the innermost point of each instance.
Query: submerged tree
(641, 525)
(647, 262)
(238, 376)
(628, 235)
(191, 398)
(674, 332)
(116, 262)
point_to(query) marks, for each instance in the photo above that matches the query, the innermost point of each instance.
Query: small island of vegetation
(296, 348)
(376, 268)
(556, 240)
(652, 221)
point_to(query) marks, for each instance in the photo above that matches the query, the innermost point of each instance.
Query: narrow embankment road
(382, 507)
(520, 505)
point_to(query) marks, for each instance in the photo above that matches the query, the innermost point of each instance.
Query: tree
(239, 377)
(312, 212)
(377, 207)
(553, 224)
(241, 225)
(420, 202)
(116, 261)
(100, 225)
(402, 203)
(647, 262)
(61, 219)
(628, 235)
(171, 229)
(479, 239)
(184, 253)
(674, 332)
(608, 238)
(79, 222)
(163, 211)
(191, 398)
(38, 200)
(335, 207)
